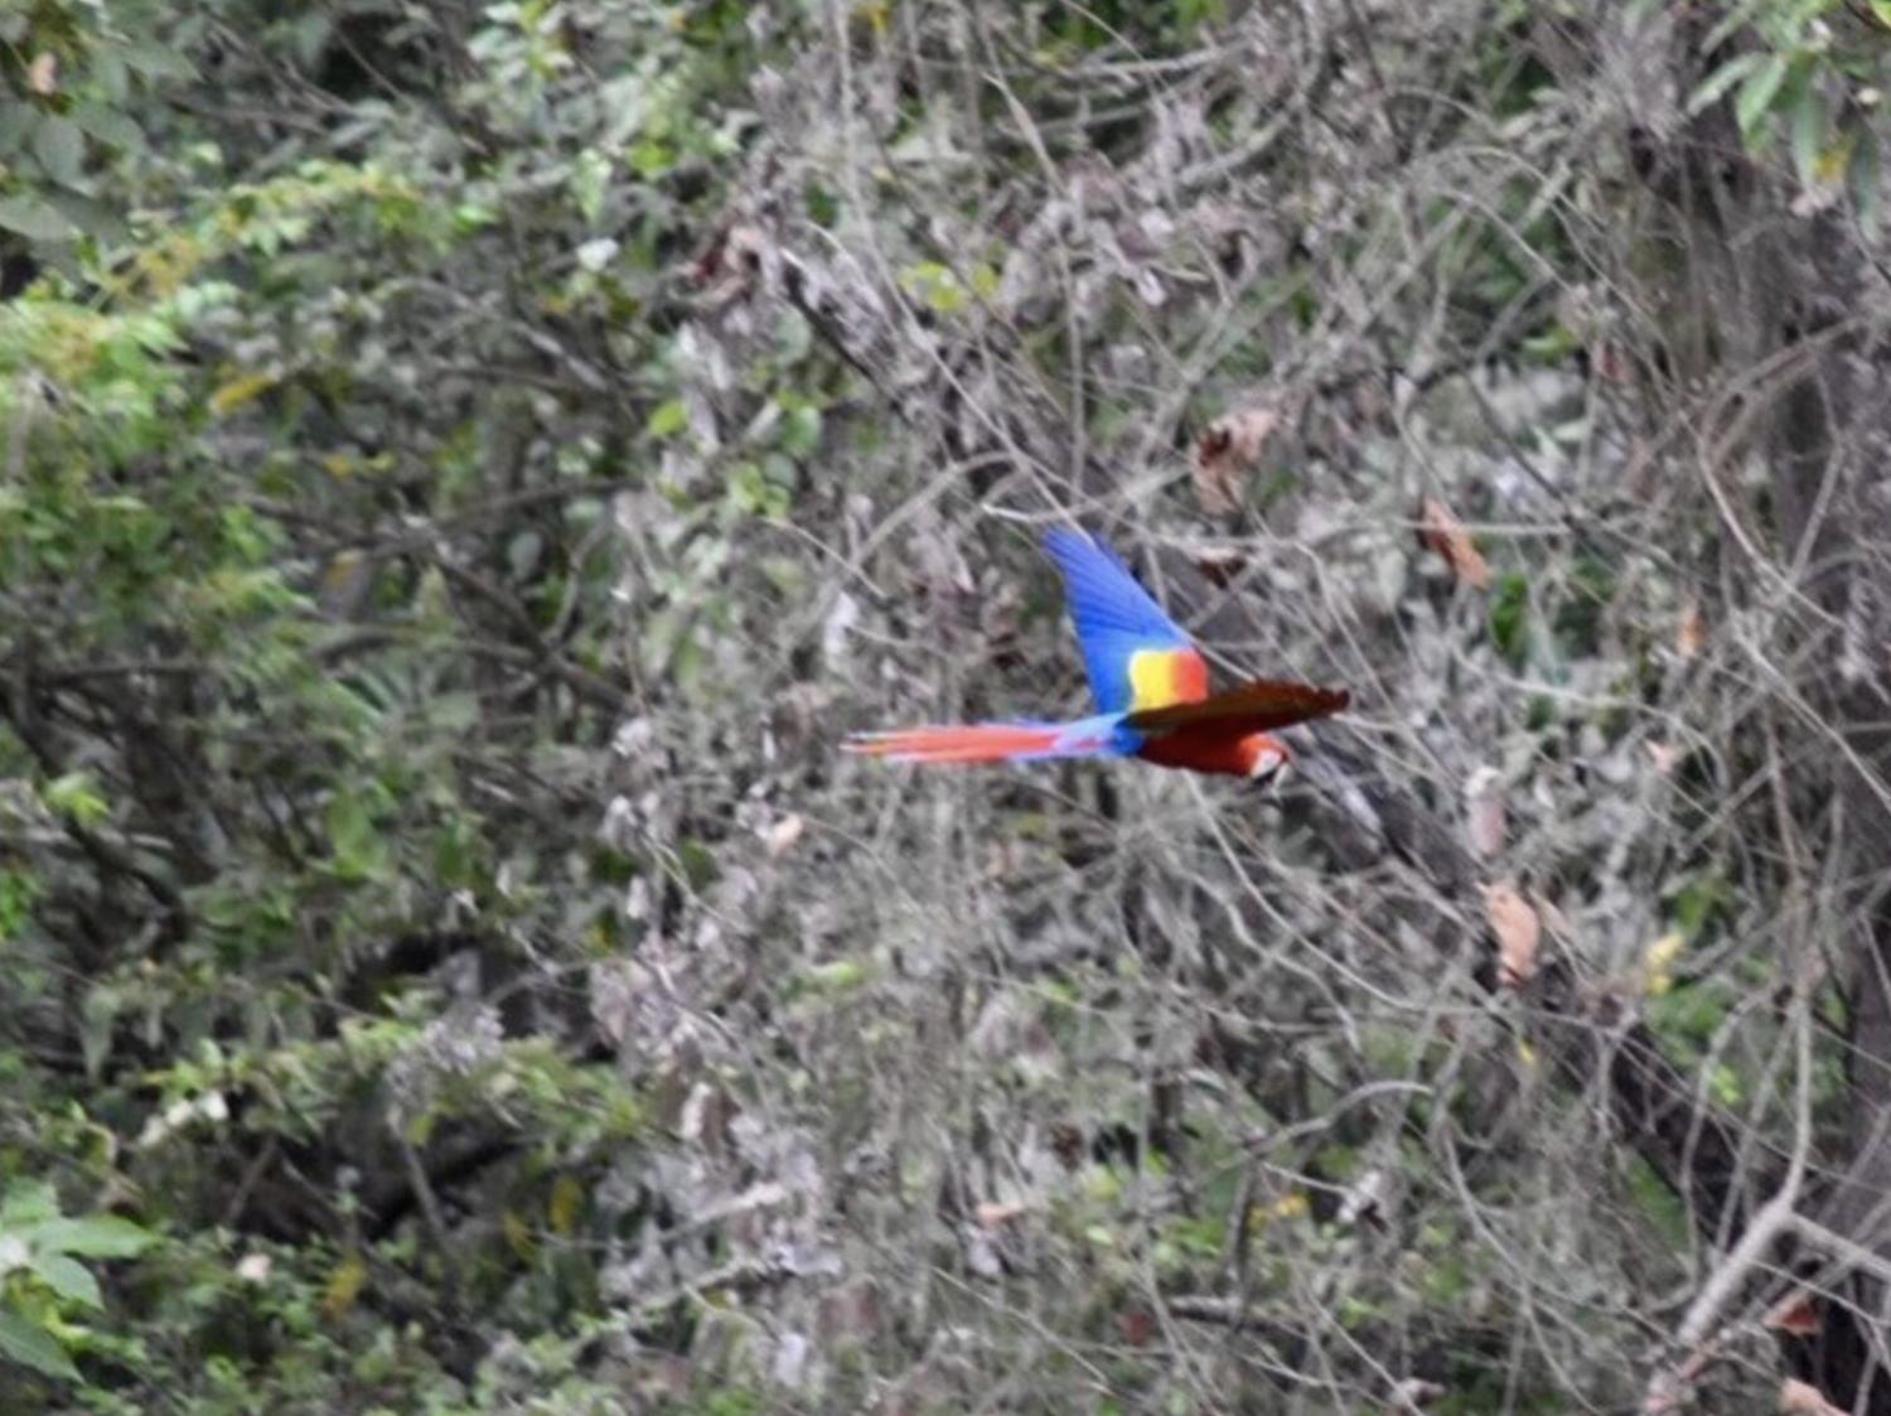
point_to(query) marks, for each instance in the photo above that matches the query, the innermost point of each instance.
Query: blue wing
(1117, 622)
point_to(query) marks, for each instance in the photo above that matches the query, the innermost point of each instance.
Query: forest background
(465, 469)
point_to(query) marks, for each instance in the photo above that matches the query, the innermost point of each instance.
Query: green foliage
(268, 737)
(1510, 617)
(46, 1294)
(1816, 73)
(72, 77)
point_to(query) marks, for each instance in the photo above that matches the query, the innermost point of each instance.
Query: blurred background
(467, 467)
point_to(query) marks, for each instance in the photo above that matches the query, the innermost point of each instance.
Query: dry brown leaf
(1138, 1326)
(1798, 1398)
(1441, 531)
(42, 75)
(1226, 453)
(730, 262)
(1796, 1313)
(1610, 362)
(1690, 636)
(1517, 929)
(1484, 812)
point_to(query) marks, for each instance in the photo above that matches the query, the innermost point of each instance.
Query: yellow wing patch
(1160, 677)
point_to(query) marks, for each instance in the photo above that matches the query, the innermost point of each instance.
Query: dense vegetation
(465, 468)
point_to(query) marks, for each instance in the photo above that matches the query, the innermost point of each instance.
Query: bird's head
(1264, 756)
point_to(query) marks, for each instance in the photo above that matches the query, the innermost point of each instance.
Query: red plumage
(1220, 753)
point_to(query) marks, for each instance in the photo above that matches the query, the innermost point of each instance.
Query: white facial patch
(1267, 762)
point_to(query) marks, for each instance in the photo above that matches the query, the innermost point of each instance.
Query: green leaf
(668, 419)
(28, 1202)
(108, 67)
(35, 219)
(1757, 94)
(68, 1278)
(1721, 80)
(104, 1236)
(1731, 23)
(1808, 132)
(1881, 10)
(76, 797)
(801, 431)
(91, 217)
(26, 1343)
(359, 849)
(1865, 180)
(16, 121)
(109, 126)
(60, 148)
(937, 285)
(18, 890)
(1660, 1206)
(454, 713)
(651, 159)
(837, 976)
(590, 179)
(157, 62)
(310, 35)
(1510, 618)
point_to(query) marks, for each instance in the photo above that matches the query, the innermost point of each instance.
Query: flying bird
(1151, 687)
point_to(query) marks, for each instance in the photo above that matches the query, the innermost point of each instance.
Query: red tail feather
(974, 742)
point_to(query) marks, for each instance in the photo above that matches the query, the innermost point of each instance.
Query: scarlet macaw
(1151, 687)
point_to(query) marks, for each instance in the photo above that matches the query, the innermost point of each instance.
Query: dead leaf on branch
(1797, 1313)
(729, 263)
(1226, 453)
(1690, 636)
(1138, 1326)
(1518, 932)
(1440, 530)
(1610, 362)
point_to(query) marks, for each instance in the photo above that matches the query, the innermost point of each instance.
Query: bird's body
(1151, 687)
(1257, 755)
